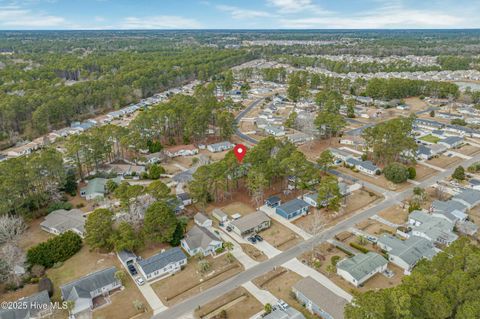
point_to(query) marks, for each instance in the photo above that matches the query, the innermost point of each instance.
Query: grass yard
(280, 236)
(375, 228)
(238, 304)
(430, 139)
(279, 283)
(190, 281)
(380, 181)
(34, 235)
(395, 214)
(424, 172)
(445, 161)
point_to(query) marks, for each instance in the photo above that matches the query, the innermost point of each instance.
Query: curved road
(240, 116)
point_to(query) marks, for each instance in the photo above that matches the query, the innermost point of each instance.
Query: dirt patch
(352, 203)
(280, 236)
(253, 252)
(424, 172)
(34, 235)
(376, 228)
(238, 304)
(468, 150)
(395, 214)
(313, 149)
(279, 283)
(445, 161)
(27, 290)
(191, 281)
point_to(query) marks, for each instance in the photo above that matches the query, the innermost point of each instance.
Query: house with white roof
(220, 147)
(451, 141)
(436, 229)
(162, 264)
(61, 221)
(366, 167)
(468, 197)
(275, 130)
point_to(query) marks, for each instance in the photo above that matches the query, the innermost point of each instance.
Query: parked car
(252, 239)
(258, 237)
(132, 270)
(140, 281)
(229, 228)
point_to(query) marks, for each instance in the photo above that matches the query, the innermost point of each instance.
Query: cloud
(160, 22)
(17, 17)
(295, 6)
(242, 14)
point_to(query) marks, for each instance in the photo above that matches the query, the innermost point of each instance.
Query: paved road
(189, 304)
(240, 116)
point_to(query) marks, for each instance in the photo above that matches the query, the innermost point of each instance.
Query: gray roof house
(406, 253)
(291, 209)
(451, 210)
(200, 240)
(162, 264)
(451, 141)
(284, 312)
(61, 220)
(84, 290)
(220, 147)
(366, 167)
(435, 229)
(30, 311)
(468, 197)
(251, 223)
(318, 299)
(361, 267)
(202, 220)
(96, 187)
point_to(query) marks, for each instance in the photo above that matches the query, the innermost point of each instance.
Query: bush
(396, 173)
(359, 247)
(59, 205)
(459, 173)
(412, 172)
(57, 249)
(334, 260)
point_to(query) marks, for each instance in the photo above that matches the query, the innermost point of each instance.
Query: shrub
(459, 173)
(396, 173)
(59, 205)
(57, 249)
(334, 260)
(359, 247)
(412, 172)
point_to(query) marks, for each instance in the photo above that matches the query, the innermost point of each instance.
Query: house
(359, 268)
(125, 169)
(275, 130)
(181, 150)
(435, 229)
(176, 204)
(185, 198)
(127, 257)
(292, 209)
(312, 198)
(220, 147)
(427, 152)
(220, 215)
(467, 227)
(96, 188)
(35, 306)
(341, 154)
(428, 124)
(202, 220)
(403, 107)
(162, 264)
(83, 291)
(282, 311)
(273, 201)
(451, 210)
(318, 299)
(451, 141)
(366, 167)
(61, 220)
(407, 253)
(299, 138)
(251, 224)
(200, 240)
(468, 197)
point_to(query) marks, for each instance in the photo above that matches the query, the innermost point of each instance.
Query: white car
(140, 281)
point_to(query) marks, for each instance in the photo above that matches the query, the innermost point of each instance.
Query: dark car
(132, 270)
(252, 239)
(258, 237)
(229, 228)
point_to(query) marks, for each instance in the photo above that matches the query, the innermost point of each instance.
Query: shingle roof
(82, 287)
(411, 250)
(160, 260)
(451, 140)
(361, 265)
(64, 220)
(321, 296)
(200, 218)
(293, 205)
(250, 221)
(448, 206)
(470, 196)
(199, 237)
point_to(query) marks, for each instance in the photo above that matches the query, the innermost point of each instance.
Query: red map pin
(240, 150)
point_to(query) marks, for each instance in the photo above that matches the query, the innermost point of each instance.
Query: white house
(220, 147)
(359, 268)
(200, 240)
(275, 130)
(162, 264)
(181, 150)
(202, 220)
(435, 229)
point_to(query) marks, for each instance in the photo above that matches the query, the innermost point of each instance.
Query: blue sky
(233, 14)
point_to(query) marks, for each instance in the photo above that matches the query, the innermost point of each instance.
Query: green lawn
(430, 138)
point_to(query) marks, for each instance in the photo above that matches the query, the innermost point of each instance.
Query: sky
(233, 14)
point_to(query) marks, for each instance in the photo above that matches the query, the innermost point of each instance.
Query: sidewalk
(271, 213)
(305, 271)
(432, 166)
(263, 296)
(237, 251)
(152, 298)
